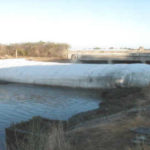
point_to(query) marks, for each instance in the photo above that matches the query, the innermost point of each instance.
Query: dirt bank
(110, 134)
(114, 101)
(109, 127)
(49, 59)
(43, 59)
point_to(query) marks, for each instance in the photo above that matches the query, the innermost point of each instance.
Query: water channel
(21, 102)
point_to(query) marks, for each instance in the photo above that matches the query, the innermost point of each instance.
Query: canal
(21, 102)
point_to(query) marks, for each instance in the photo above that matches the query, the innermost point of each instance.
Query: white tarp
(75, 75)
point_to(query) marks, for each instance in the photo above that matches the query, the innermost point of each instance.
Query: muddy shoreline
(120, 107)
(115, 100)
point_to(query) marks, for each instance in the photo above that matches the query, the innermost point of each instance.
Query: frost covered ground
(75, 75)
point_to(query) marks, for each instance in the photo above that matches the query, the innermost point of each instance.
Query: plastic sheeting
(75, 75)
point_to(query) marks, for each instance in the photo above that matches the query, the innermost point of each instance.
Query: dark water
(22, 102)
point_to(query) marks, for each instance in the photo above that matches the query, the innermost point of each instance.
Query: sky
(80, 23)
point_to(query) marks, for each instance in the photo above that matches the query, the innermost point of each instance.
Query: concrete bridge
(110, 56)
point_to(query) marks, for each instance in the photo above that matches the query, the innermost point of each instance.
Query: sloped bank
(96, 76)
(115, 101)
(108, 128)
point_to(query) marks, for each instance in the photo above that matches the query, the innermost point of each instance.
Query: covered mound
(104, 76)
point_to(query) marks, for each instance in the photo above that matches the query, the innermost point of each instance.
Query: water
(22, 102)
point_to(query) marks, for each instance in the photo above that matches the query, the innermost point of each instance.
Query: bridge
(110, 56)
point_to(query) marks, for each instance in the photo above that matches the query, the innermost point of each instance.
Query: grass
(39, 136)
(111, 134)
(115, 100)
(48, 59)
(57, 140)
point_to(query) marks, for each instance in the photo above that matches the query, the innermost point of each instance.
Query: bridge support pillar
(143, 61)
(110, 61)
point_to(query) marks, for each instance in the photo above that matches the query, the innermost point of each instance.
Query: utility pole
(16, 53)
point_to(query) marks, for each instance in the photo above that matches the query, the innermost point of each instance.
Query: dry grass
(54, 140)
(37, 134)
(113, 134)
(43, 59)
(115, 101)
(57, 140)
(139, 147)
(48, 59)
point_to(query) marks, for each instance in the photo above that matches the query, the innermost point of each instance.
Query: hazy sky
(81, 23)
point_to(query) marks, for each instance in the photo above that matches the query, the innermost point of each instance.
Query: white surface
(75, 75)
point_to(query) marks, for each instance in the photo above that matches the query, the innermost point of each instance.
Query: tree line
(36, 49)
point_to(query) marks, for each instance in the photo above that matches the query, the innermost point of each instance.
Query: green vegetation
(37, 49)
